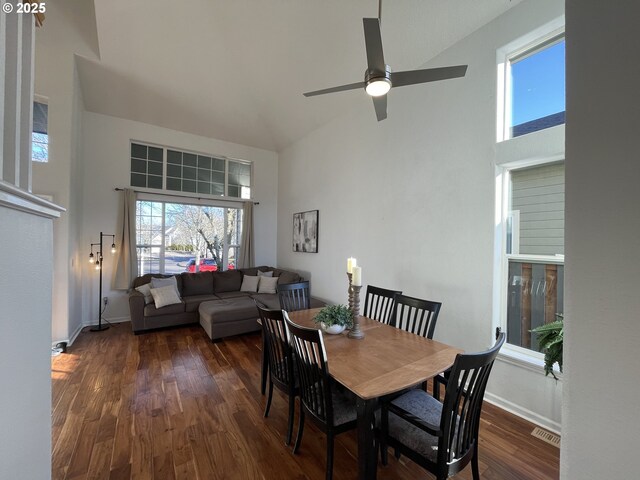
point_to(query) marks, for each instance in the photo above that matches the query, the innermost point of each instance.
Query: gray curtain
(127, 263)
(246, 258)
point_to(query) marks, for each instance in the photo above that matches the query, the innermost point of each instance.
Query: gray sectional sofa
(212, 298)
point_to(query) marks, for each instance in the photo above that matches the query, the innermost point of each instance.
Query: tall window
(534, 251)
(40, 135)
(178, 237)
(189, 172)
(535, 87)
(529, 275)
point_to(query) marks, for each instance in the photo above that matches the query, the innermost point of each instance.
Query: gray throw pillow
(146, 291)
(268, 285)
(265, 274)
(249, 284)
(157, 282)
(163, 296)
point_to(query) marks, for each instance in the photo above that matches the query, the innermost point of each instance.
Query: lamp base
(99, 328)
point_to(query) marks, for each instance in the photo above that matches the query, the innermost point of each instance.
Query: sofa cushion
(269, 300)
(228, 281)
(233, 294)
(151, 310)
(229, 310)
(285, 276)
(200, 283)
(193, 302)
(265, 274)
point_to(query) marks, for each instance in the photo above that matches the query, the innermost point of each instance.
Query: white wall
(412, 197)
(106, 162)
(25, 356)
(63, 34)
(600, 405)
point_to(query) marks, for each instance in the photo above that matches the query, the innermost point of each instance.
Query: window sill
(17, 199)
(529, 361)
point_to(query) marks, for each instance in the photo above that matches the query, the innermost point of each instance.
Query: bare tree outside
(182, 231)
(199, 226)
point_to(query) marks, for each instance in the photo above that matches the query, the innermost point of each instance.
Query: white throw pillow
(164, 296)
(157, 282)
(265, 274)
(146, 291)
(249, 284)
(268, 284)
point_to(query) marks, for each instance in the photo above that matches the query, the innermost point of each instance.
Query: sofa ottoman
(230, 316)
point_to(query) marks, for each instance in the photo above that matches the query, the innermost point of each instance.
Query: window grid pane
(146, 166)
(189, 172)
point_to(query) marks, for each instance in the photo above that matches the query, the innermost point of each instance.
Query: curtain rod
(118, 189)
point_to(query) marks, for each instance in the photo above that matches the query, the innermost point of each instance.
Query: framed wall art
(305, 232)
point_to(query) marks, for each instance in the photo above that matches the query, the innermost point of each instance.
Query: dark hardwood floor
(171, 404)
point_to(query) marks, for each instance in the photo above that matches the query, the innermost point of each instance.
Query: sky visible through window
(538, 85)
(39, 147)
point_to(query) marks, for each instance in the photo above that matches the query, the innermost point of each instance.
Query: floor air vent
(546, 436)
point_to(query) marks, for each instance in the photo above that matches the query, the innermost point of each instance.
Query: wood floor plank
(172, 405)
(82, 453)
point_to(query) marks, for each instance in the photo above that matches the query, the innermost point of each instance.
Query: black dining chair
(333, 411)
(415, 315)
(441, 437)
(294, 296)
(280, 361)
(378, 303)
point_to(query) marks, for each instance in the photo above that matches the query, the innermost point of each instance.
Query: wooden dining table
(385, 361)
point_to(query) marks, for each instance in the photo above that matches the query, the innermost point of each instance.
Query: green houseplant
(334, 318)
(550, 338)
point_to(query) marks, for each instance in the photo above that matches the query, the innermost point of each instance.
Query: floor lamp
(98, 260)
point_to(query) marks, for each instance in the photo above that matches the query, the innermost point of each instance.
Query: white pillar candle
(357, 276)
(351, 262)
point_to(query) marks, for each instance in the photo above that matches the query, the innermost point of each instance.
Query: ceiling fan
(379, 79)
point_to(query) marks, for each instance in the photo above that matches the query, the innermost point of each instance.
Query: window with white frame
(40, 132)
(534, 86)
(529, 274)
(533, 255)
(178, 237)
(189, 172)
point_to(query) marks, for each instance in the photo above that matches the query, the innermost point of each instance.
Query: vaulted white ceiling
(236, 70)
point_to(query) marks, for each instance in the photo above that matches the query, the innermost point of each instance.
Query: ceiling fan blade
(380, 104)
(411, 77)
(373, 42)
(341, 88)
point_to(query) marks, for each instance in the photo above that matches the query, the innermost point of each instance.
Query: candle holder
(350, 291)
(355, 331)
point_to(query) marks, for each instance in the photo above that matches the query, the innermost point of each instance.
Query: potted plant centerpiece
(334, 318)
(550, 338)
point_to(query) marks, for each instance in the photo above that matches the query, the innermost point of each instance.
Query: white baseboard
(528, 415)
(74, 335)
(69, 341)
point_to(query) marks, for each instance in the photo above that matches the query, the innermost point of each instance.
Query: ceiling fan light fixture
(377, 87)
(378, 79)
